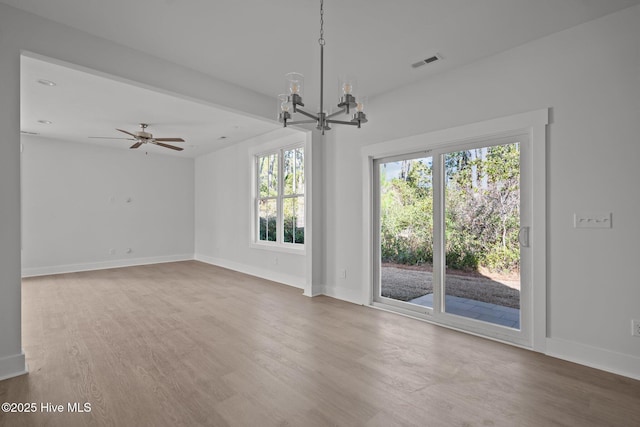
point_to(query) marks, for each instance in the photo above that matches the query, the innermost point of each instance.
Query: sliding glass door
(452, 237)
(481, 226)
(406, 230)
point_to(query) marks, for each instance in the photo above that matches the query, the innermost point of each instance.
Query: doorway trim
(531, 123)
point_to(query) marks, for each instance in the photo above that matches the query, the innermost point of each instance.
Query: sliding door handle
(523, 237)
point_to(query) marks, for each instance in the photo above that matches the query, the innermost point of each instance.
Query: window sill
(279, 247)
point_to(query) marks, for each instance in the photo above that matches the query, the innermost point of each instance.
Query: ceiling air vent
(426, 61)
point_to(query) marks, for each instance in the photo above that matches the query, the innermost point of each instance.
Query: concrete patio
(492, 313)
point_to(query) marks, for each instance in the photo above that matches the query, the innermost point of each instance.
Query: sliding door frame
(532, 125)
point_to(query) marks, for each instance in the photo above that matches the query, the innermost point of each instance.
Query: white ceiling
(83, 105)
(253, 43)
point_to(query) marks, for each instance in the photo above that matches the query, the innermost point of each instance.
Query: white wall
(23, 31)
(590, 77)
(224, 212)
(75, 209)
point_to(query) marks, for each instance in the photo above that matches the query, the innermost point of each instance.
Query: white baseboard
(13, 366)
(102, 265)
(318, 290)
(287, 279)
(350, 295)
(605, 360)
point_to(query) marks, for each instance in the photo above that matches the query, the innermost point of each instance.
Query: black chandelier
(290, 102)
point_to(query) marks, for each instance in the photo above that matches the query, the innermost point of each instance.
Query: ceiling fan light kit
(290, 102)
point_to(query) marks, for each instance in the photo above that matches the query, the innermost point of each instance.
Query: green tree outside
(481, 210)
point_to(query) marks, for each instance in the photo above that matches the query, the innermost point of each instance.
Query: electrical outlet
(112, 251)
(343, 273)
(635, 328)
(275, 260)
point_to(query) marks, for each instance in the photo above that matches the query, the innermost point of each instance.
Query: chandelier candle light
(290, 102)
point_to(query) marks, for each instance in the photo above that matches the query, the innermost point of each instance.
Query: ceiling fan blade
(169, 139)
(136, 145)
(128, 133)
(168, 146)
(109, 137)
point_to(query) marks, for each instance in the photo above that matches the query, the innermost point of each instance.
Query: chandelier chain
(321, 39)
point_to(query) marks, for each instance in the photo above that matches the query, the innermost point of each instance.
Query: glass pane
(299, 157)
(268, 220)
(294, 219)
(289, 172)
(268, 175)
(406, 230)
(482, 220)
(294, 171)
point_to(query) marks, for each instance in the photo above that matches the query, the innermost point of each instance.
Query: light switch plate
(592, 220)
(635, 328)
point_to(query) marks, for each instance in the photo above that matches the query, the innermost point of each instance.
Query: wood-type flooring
(190, 344)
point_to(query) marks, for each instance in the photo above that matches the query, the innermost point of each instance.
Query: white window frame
(279, 244)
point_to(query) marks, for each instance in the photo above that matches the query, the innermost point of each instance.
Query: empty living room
(319, 213)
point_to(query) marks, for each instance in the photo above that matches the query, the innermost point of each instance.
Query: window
(280, 197)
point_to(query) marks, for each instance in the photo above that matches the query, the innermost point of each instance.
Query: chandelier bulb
(361, 103)
(291, 102)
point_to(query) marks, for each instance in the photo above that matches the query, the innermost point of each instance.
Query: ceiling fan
(143, 137)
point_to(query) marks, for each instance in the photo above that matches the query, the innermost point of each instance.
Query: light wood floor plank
(189, 344)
